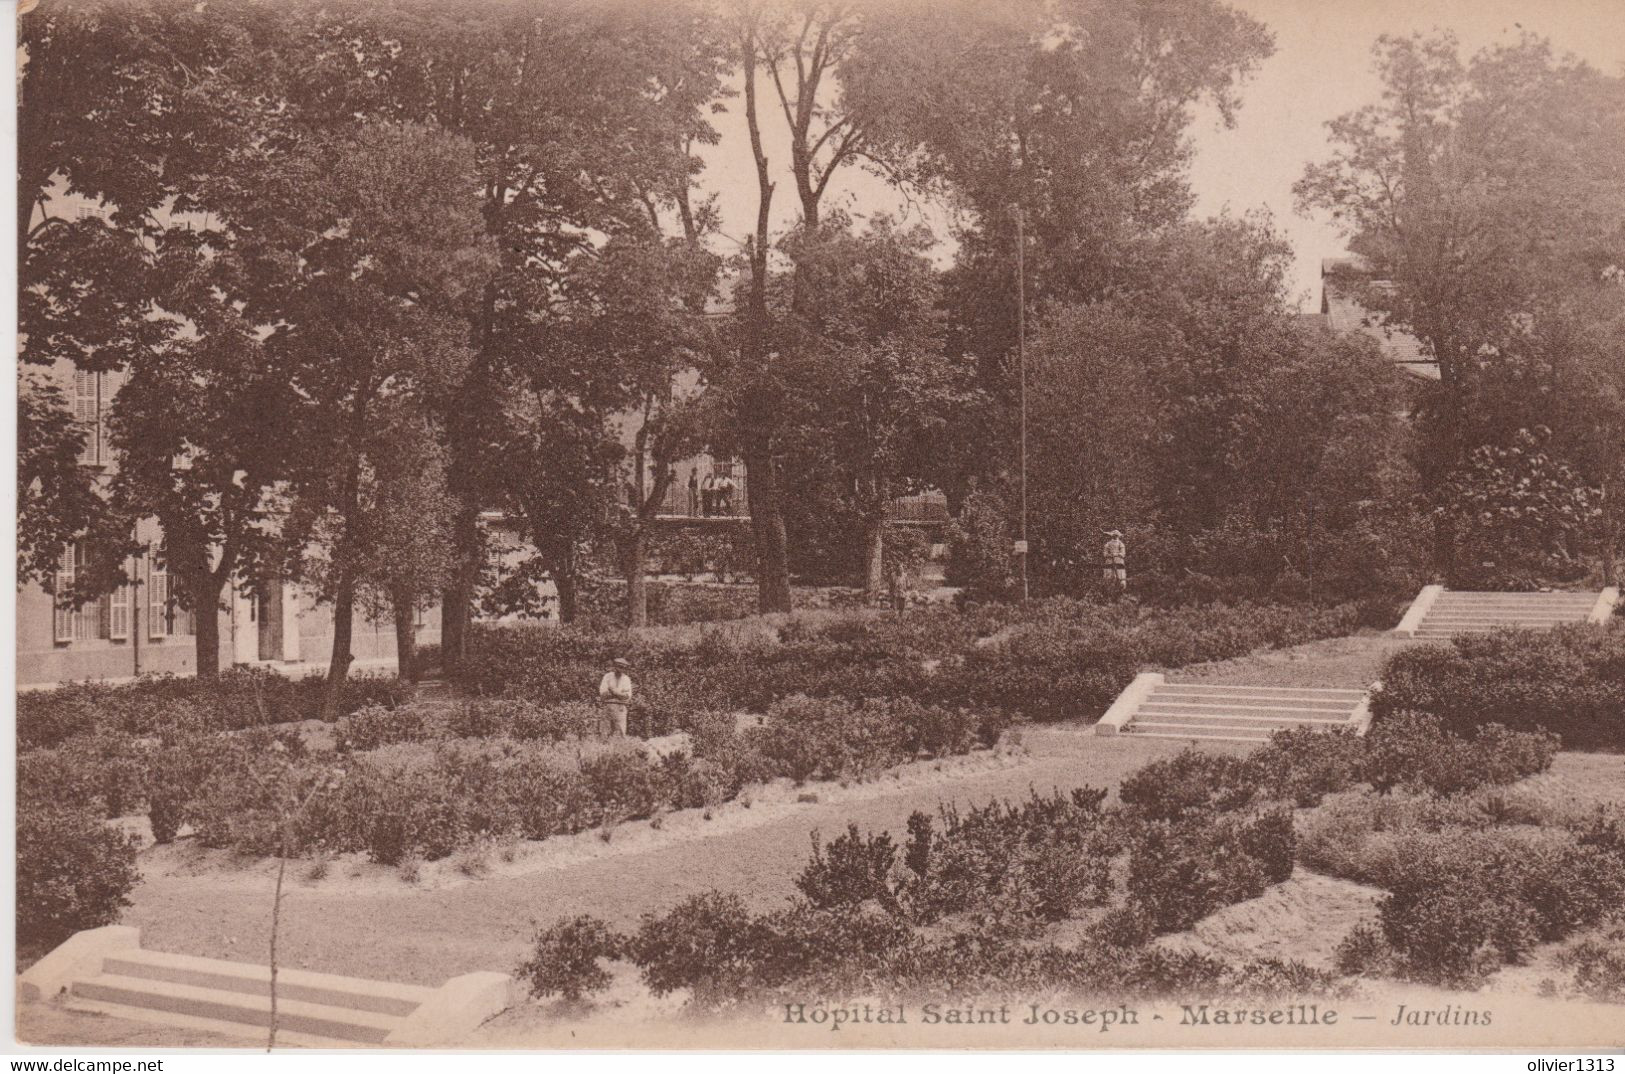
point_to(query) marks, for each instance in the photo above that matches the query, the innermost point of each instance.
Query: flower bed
(964, 903)
(417, 782)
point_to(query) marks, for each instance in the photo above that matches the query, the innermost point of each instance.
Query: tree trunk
(874, 555)
(565, 582)
(637, 584)
(406, 635)
(457, 599)
(1610, 534)
(767, 525)
(205, 594)
(343, 634)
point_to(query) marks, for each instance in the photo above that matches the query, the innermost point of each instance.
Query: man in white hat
(1114, 558)
(615, 694)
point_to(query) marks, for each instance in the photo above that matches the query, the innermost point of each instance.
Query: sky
(1321, 69)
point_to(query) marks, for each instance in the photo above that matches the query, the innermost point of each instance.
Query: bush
(565, 958)
(1569, 681)
(1017, 865)
(1599, 966)
(855, 870)
(704, 943)
(374, 726)
(1302, 766)
(1181, 871)
(73, 872)
(1415, 750)
(829, 738)
(1191, 782)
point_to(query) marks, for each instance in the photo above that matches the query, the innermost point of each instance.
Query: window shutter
(118, 614)
(87, 621)
(157, 599)
(87, 413)
(62, 618)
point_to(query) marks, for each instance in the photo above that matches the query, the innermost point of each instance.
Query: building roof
(1343, 314)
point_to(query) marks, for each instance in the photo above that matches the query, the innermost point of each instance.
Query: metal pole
(1021, 366)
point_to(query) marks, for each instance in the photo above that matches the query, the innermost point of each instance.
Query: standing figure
(615, 694)
(708, 494)
(694, 491)
(1114, 558)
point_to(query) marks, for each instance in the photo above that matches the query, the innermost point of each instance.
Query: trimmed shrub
(1191, 782)
(1181, 871)
(1569, 681)
(240, 698)
(1415, 750)
(1017, 865)
(704, 943)
(565, 959)
(73, 872)
(1302, 766)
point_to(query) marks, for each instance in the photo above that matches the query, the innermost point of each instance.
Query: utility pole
(1021, 371)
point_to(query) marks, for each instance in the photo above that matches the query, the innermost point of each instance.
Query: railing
(681, 502)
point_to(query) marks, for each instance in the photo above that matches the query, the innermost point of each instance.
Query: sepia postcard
(820, 524)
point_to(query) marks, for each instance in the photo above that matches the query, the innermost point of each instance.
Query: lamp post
(1021, 372)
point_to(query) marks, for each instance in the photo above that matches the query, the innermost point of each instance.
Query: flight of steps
(1459, 612)
(313, 1009)
(107, 971)
(1152, 708)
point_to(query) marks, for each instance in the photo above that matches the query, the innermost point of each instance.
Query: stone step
(1290, 692)
(352, 993)
(1238, 697)
(1509, 620)
(1495, 594)
(1260, 712)
(1213, 733)
(1584, 600)
(235, 1009)
(1209, 716)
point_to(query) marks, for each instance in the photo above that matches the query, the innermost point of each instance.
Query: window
(87, 412)
(89, 620)
(160, 611)
(118, 614)
(63, 618)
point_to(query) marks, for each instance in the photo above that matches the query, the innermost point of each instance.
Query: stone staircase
(107, 971)
(1443, 613)
(1154, 708)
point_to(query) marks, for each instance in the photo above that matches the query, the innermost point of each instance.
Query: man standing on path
(694, 491)
(615, 693)
(1114, 571)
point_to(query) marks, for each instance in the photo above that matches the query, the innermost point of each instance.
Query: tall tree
(871, 388)
(570, 119)
(1076, 113)
(1483, 202)
(370, 257)
(150, 112)
(1470, 192)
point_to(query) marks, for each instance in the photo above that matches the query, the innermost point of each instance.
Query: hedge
(1569, 680)
(1044, 660)
(399, 786)
(239, 698)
